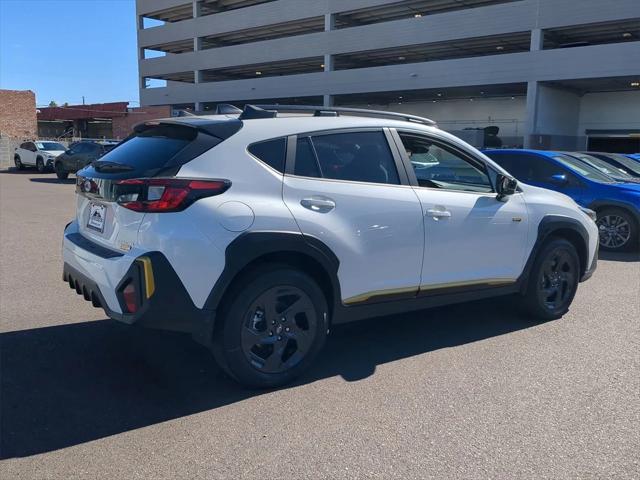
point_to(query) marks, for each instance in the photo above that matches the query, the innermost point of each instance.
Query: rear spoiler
(221, 129)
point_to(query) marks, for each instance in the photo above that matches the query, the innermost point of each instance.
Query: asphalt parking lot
(471, 391)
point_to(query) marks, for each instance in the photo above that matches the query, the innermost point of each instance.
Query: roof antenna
(227, 109)
(252, 112)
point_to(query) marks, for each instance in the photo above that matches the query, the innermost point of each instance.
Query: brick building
(18, 114)
(122, 126)
(101, 120)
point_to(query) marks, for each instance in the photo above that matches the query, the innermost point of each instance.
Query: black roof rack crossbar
(319, 111)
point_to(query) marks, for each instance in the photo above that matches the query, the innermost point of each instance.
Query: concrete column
(329, 22)
(328, 63)
(531, 114)
(196, 8)
(537, 39)
(553, 116)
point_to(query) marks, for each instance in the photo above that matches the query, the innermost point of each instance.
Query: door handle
(438, 213)
(318, 204)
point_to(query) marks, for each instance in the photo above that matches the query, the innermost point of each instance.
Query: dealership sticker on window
(97, 213)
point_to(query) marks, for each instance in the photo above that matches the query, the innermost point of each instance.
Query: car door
(346, 189)
(540, 171)
(79, 156)
(473, 239)
(30, 154)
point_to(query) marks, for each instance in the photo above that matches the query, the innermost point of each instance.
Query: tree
(53, 103)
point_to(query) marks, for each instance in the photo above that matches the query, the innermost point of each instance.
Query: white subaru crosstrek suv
(37, 154)
(256, 232)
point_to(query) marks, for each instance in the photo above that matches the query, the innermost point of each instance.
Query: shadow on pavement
(70, 384)
(619, 256)
(53, 180)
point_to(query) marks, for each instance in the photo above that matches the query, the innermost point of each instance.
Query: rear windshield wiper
(103, 166)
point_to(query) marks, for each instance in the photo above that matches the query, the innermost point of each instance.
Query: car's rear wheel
(40, 165)
(553, 281)
(618, 230)
(272, 328)
(60, 171)
(18, 163)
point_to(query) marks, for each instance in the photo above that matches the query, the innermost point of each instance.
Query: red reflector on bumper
(130, 297)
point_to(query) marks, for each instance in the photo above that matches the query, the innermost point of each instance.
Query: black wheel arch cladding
(251, 248)
(563, 227)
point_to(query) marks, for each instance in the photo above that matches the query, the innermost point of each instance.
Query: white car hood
(53, 153)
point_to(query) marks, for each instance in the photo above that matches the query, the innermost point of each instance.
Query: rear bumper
(161, 298)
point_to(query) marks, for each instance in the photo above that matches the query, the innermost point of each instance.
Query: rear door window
(349, 156)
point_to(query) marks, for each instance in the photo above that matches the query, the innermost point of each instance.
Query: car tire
(553, 280)
(272, 326)
(60, 172)
(40, 165)
(618, 230)
(18, 163)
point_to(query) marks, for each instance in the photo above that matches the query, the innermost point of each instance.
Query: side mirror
(559, 179)
(506, 186)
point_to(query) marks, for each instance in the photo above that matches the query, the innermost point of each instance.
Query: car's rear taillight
(157, 195)
(130, 296)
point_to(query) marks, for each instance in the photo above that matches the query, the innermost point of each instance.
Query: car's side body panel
(373, 251)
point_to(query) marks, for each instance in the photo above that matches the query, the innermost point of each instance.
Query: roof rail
(319, 111)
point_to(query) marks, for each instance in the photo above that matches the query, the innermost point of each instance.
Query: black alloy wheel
(557, 280)
(18, 163)
(279, 329)
(272, 324)
(40, 165)
(553, 280)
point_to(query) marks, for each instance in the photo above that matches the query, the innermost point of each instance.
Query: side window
(32, 147)
(436, 166)
(541, 170)
(271, 152)
(24, 146)
(306, 163)
(80, 148)
(516, 165)
(357, 157)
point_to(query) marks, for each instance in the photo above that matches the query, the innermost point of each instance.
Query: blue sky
(64, 49)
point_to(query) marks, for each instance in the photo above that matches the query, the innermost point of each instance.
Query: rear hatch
(112, 192)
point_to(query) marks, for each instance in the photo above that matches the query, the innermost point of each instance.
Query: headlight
(590, 213)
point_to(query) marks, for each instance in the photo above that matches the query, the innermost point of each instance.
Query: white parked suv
(257, 232)
(37, 154)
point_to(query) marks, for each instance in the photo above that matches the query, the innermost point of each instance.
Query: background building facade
(548, 73)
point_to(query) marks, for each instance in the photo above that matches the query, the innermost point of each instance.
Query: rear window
(271, 152)
(152, 148)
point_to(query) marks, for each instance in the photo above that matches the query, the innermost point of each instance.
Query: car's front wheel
(553, 280)
(60, 171)
(618, 230)
(18, 163)
(272, 328)
(40, 165)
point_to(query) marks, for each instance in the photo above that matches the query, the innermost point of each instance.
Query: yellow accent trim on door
(469, 283)
(396, 291)
(379, 293)
(149, 281)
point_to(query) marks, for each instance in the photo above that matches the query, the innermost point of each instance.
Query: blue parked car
(617, 204)
(634, 156)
